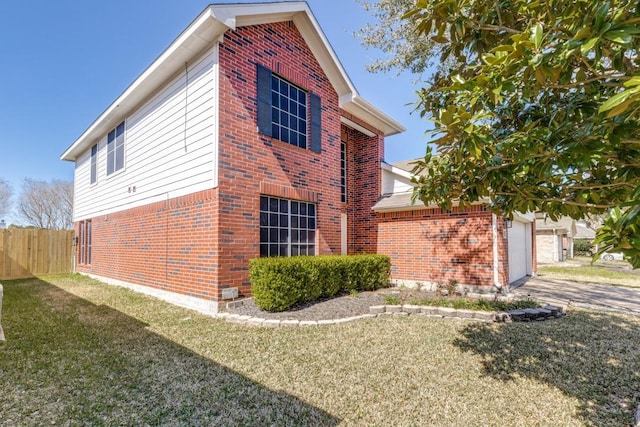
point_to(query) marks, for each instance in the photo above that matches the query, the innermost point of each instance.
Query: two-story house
(246, 138)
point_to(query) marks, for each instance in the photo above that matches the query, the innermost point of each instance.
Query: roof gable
(207, 29)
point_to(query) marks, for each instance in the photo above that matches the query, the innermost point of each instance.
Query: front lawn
(79, 352)
(580, 269)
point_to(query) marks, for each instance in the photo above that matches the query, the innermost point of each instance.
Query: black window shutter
(264, 100)
(316, 124)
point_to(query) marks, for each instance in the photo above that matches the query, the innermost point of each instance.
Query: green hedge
(582, 247)
(280, 283)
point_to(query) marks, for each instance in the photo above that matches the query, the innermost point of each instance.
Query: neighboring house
(583, 232)
(245, 138)
(554, 239)
(428, 245)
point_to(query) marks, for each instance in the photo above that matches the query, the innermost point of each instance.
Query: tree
(47, 205)
(5, 197)
(539, 110)
(395, 37)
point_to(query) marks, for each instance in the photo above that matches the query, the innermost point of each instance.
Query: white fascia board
(397, 171)
(363, 109)
(353, 125)
(199, 35)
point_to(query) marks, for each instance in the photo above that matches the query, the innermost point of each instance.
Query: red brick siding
(436, 246)
(364, 186)
(252, 163)
(169, 245)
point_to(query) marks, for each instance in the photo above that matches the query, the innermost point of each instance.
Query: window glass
(289, 112)
(287, 227)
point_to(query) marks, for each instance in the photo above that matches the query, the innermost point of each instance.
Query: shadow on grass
(589, 356)
(69, 361)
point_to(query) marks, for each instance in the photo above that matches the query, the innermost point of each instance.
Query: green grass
(462, 303)
(580, 269)
(82, 353)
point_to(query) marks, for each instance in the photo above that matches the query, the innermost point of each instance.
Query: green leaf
(620, 36)
(536, 35)
(615, 100)
(588, 45)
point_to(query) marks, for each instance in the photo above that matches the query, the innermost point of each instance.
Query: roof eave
(200, 34)
(208, 27)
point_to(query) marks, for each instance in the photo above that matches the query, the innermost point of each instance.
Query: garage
(520, 250)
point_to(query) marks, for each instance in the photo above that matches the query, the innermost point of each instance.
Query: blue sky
(63, 62)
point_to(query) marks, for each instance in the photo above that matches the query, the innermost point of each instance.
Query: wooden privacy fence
(27, 252)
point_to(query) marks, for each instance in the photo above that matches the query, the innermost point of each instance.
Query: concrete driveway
(559, 292)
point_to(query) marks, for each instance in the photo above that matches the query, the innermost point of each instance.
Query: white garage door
(519, 250)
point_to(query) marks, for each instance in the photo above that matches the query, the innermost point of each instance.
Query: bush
(280, 283)
(582, 247)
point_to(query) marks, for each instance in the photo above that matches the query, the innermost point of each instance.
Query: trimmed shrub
(582, 247)
(280, 283)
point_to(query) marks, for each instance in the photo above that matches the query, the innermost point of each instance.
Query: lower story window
(84, 242)
(287, 227)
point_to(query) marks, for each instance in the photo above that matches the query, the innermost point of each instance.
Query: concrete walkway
(559, 292)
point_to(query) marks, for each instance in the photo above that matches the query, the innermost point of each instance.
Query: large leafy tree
(538, 110)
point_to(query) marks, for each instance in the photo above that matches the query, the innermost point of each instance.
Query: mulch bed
(338, 307)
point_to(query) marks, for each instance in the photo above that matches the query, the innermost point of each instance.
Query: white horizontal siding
(170, 147)
(394, 183)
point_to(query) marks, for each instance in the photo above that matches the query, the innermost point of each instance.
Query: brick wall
(364, 186)
(432, 245)
(252, 164)
(170, 245)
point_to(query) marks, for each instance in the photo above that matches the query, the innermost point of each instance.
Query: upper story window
(343, 171)
(94, 164)
(115, 149)
(287, 112)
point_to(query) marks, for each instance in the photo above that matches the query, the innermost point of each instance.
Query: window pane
(311, 236)
(303, 208)
(294, 221)
(264, 203)
(264, 235)
(275, 99)
(311, 209)
(273, 220)
(294, 207)
(295, 250)
(303, 236)
(311, 224)
(264, 250)
(284, 206)
(284, 220)
(264, 218)
(284, 235)
(302, 142)
(273, 249)
(120, 130)
(273, 204)
(119, 157)
(273, 235)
